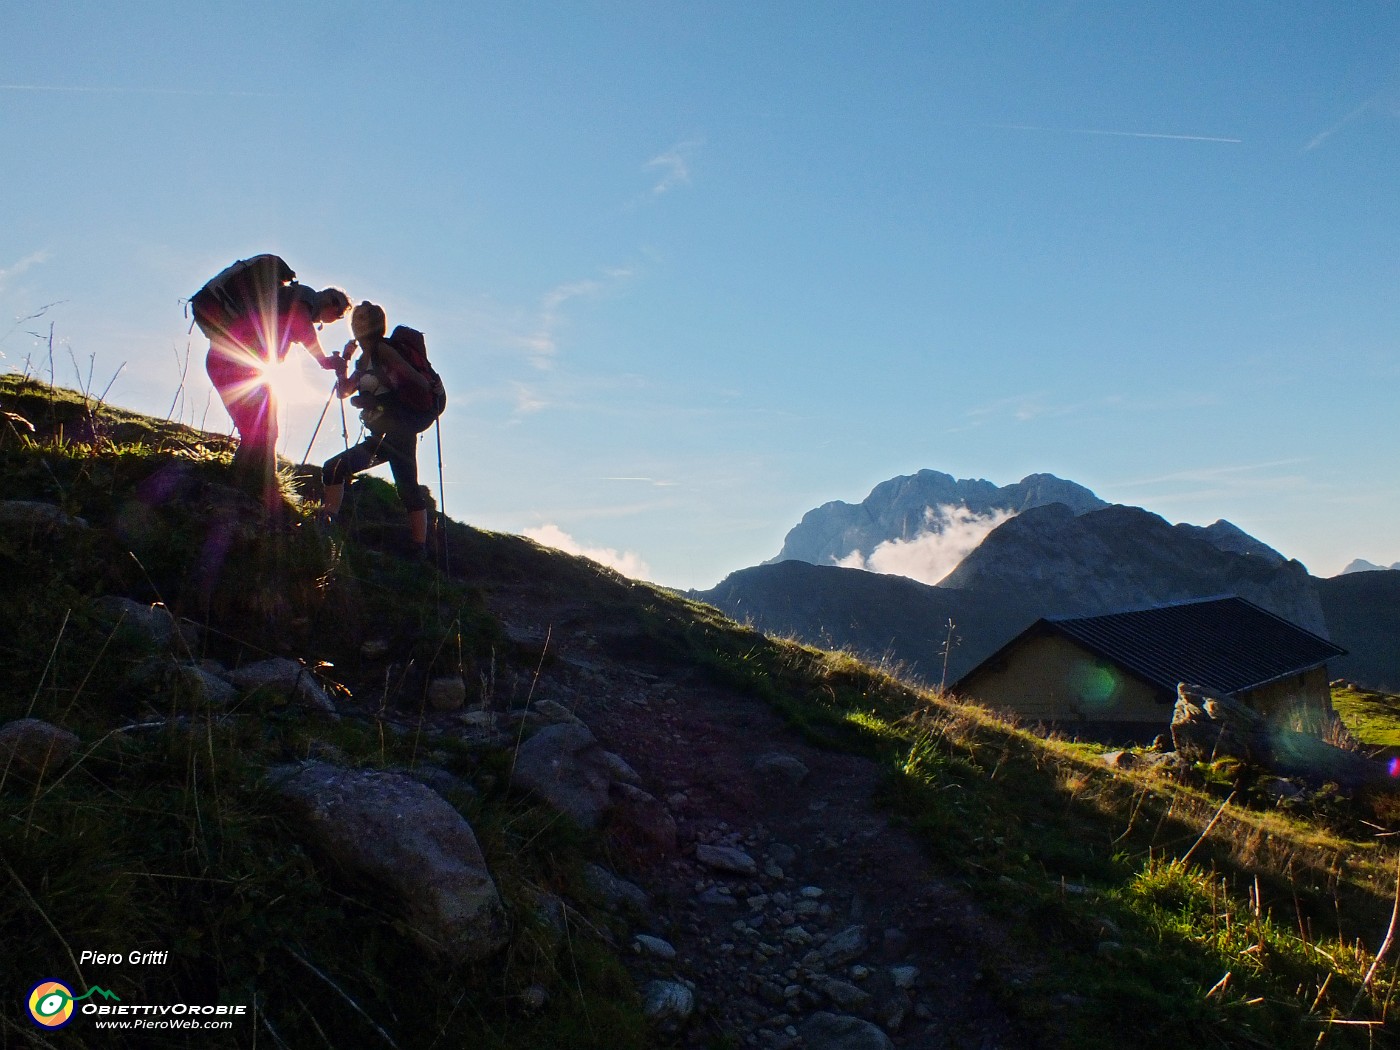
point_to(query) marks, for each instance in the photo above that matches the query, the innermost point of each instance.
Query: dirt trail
(762, 950)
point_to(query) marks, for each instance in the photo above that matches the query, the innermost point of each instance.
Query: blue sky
(692, 269)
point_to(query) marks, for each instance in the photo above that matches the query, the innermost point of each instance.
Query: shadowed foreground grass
(1190, 912)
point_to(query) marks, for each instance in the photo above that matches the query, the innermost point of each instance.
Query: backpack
(238, 289)
(412, 348)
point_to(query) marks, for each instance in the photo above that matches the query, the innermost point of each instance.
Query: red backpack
(413, 349)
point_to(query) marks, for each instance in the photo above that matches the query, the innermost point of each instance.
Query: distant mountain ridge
(1045, 561)
(905, 508)
(1362, 565)
(1074, 555)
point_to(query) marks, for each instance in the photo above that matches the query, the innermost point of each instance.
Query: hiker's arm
(345, 385)
(325, 360)
(400, 369)
(304, 332)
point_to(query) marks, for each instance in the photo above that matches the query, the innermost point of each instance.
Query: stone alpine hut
(1114, 676)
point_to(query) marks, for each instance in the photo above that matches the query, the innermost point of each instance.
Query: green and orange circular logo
(51, 1004)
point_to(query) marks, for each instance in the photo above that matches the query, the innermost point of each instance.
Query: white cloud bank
(629, 563)
(950, 535)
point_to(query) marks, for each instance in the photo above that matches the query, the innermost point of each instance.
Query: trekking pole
(442, 509)
(344, 427)
(321, 420)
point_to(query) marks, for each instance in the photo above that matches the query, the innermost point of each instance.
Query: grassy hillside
(1370, 716)
(1193, 910)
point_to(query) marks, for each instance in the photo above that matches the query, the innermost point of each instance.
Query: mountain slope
(732, 835)
(1120, 558)
(1363, 614)
(887, 620)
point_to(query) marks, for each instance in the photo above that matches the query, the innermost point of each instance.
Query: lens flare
(1395, 767)
(1095, 685)
(287, 379)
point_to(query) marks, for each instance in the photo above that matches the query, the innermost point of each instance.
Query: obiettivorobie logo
(51, 1002)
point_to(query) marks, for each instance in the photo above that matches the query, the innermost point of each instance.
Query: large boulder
(828, 1031)
(35, 516)
(163, 681)
(1205, 728)
(32, 747)
(152, 623)
(566, 766)
(401, 836)
(639, 824)
(287, 677)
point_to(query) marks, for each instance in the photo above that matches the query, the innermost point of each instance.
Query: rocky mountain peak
(1125, 557)
(1362, 565)
(908, 507)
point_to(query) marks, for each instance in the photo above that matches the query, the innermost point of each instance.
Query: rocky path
(790, 909)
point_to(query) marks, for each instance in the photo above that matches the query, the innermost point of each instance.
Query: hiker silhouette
(399, 396)
(252, 315)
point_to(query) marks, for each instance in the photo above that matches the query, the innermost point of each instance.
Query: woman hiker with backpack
(399, 396)
(240, 352)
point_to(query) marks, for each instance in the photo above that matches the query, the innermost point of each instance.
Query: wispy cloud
(629, 563)
(1116, 134)
(1042, 405)
(27, 263)
(654, 482)
(1022, 408)
(1351, 118)
(672, 167)
(1212, 483)
(527, 401)
(115, 90)
(542, 344)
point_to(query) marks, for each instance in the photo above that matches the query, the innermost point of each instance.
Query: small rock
(668, 1004)
(903, 977)
(844, 994)
(781, 767)
(645, 944)
(727, 859)
(448, 693)
(844, 947)
(782, 855)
